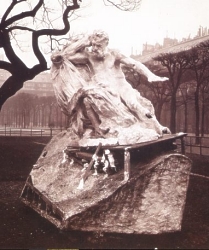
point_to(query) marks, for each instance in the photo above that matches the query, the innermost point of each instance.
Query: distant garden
(28, 110)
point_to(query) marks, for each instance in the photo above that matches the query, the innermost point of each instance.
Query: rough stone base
(151, 202)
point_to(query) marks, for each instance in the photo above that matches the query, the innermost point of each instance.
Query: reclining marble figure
(108, 122)
(92, 90)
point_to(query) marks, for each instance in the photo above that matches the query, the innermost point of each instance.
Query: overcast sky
(151, 23)
(155, 20)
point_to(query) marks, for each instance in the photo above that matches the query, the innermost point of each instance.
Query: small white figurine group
(106, 162)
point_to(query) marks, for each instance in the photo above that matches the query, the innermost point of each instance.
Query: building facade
(41, 85)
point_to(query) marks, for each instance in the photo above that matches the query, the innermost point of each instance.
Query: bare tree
(125, 5)
(176, 65)
(158, 92)
(204, 108)
(15, 22)
(9, 26)
(134, 78)
(199, 65)
(185, 99)
(160, 96)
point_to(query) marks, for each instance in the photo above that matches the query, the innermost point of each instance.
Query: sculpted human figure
(105, 73)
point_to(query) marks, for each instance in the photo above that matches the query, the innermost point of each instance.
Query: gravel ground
(21, 227)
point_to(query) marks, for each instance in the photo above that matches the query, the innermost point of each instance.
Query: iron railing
(193, 144)
(8, 131)
(197, 145)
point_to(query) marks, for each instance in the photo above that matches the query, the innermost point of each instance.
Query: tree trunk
(7, 90)
(173, 113)
(197, 116)
(203, 119)
(185, 117)
(16, 80)
(158, 111)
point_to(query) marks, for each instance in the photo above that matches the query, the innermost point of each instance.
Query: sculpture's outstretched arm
(141, 68)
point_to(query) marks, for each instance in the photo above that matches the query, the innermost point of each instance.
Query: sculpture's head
(99, 41)
(99, 36)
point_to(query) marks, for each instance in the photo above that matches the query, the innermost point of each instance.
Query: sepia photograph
(104, 124)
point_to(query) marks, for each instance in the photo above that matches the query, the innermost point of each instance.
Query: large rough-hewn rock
(151, 201)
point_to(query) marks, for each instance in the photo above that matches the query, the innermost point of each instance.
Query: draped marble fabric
(74, 83)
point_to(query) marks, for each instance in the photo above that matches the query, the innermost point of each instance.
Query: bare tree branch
(5, 23)
(8, 27)
(38, 19)
(52, 32)
(125, 5)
